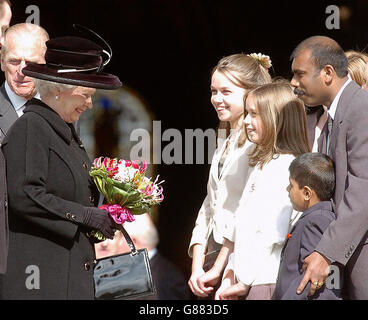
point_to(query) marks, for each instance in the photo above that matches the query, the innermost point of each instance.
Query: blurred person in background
(358, 67)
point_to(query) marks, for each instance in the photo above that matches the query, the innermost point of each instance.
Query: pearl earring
(57, 97)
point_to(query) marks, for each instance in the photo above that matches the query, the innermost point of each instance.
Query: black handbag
(124, 276)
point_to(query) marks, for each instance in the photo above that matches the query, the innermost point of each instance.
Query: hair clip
(263, 59)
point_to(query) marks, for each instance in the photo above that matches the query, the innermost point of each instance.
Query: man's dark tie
(329, 128)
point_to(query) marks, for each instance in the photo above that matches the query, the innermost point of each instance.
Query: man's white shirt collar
(17, 101)
(333, 107)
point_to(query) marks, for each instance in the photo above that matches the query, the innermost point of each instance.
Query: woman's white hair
(45, 87)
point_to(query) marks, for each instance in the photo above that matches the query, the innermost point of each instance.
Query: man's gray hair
(38, 34)
(324, 51)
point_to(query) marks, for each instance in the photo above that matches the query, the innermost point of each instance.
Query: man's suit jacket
(305, 235)
(344, 239)
(4, 229)
(7, 117)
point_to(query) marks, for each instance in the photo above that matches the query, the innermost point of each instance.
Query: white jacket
(262, 223)
(217, 211)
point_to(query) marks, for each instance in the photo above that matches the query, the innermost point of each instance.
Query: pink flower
(135, 164)
(148, 191)
(97, 162)
(144, 167)
(118, 213)
(110, 163)
(111, 172)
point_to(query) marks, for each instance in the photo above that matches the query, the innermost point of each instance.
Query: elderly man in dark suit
(23, 43)
(321, 78)
(4, 230)
(5, 17)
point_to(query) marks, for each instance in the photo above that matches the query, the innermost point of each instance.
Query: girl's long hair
(284, 123)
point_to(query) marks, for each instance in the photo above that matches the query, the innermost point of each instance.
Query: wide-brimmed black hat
(75, 60)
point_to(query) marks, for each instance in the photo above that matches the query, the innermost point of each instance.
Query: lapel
(216, 159)
(342, 106)
(231, 157)
(7, 113)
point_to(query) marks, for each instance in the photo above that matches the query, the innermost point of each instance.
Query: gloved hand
(99, 220)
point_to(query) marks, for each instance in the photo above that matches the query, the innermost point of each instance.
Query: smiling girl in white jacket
(276, 124)
(231, 79)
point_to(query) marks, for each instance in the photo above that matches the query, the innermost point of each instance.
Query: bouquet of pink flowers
(126, 188)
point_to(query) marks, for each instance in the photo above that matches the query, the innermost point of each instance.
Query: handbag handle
(129, 241)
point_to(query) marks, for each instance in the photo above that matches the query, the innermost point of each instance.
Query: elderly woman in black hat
(52, 198)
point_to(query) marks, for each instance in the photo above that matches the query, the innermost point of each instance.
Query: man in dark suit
(22, 43)
(321, 78)
(4, 229)
(5, 17)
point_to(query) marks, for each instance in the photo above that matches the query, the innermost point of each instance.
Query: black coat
(4, 229)
(48, 187)
(8, 116)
